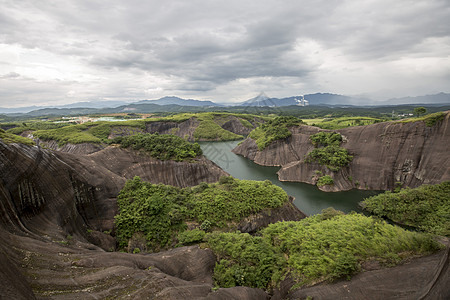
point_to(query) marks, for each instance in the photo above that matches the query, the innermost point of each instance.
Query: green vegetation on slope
(209, 129)
(161, 146)
(276, 129)
(159, 212)
(430, 120)
(9, 138)
(32, 126)
(318, 248)
(426, 207)
(331, 155)
(324, 138)
(98, 132)
(74, 134)
(344, 122)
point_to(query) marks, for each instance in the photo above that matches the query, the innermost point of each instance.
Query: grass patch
(10, 138)
(426, 207)
(429, 120)
(344, 122)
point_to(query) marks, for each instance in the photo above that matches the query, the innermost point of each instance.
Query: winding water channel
(308, 198)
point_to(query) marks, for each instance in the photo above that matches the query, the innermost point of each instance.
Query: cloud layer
(57, 52)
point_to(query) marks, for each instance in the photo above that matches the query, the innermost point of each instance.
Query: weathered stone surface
(385, 155)
(287, 212)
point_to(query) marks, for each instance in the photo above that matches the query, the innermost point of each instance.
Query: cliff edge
(385, 155)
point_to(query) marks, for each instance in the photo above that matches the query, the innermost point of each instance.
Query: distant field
(313, 121)
(343, 122)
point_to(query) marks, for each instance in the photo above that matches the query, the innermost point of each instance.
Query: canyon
(58, 205)
(386, 155)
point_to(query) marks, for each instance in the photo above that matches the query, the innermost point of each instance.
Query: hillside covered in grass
(320, 248)
(203, 127)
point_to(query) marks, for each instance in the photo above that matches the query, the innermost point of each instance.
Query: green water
(308, 198)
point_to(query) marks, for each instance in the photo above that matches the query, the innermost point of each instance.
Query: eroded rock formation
(56, 215)
(385, 156)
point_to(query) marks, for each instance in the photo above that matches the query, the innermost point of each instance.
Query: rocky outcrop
(83, 148)
(385, 156)
(56, 213)
(287, 212)
(419, 278)
(183, 129)
(235, 125)
(48, 200)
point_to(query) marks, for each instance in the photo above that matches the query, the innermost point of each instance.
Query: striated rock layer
(56, 215)
(385, 156)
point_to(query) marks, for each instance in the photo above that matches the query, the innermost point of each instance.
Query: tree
(420, 111)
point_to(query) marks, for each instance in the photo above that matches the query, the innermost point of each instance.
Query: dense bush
(275, 129)
(324, 138)
(312, 250)
(159, 211)
(191, 236)
(151, 209)
(245, 260)
(325, 180)
(426, 207)
(161, 146)
(333, 157)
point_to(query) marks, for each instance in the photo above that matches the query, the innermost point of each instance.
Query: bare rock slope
(57, 210)
(385, 155)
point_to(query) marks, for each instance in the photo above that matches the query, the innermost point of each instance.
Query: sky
(64, 51)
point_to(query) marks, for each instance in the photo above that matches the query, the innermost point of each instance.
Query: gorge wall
(385, 155)
(56, 218)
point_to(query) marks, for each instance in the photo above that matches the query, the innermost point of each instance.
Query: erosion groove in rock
(385, 156)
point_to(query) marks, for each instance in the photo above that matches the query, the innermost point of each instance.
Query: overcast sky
(63, 51)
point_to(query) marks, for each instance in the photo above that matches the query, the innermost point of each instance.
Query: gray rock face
(48, 200)
(385, 155)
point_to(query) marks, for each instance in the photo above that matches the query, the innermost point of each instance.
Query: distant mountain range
(175, 104)
(178, 101)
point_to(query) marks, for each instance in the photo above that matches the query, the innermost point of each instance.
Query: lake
(308, 198)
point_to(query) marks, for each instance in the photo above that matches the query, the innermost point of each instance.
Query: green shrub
(275, 129)
(191, 236)
(333, 157)
(315, 249)
(426, 207)
(325, 180)
(160, 211)
(161, 146)
(244, 260)
(326, 139)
